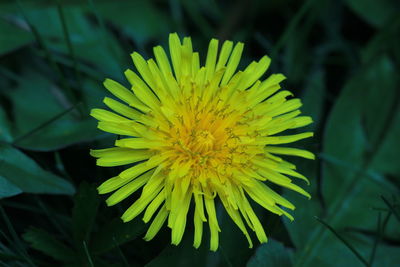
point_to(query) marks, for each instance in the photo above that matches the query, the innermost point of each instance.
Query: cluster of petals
(195, 134)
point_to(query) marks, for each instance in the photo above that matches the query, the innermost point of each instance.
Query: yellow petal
(156, 224)
(143, 69)
(224, 55)
(290, 151)
(127, 189)
(211, 58)
(232, 63)
(125, 95)
(122, 109)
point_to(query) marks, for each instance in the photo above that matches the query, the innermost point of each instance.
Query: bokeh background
(341, 57)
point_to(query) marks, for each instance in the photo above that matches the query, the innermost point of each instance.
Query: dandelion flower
(195, 134)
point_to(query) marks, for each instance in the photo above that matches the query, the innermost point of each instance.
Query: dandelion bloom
(202, 133)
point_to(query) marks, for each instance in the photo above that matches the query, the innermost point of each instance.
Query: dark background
(341, 58)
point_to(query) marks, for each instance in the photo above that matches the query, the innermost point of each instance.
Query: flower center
(203, 141)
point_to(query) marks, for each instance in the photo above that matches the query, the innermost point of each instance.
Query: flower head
(197, 134)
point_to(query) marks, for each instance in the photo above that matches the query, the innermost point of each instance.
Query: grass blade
(87, 254)
(392, 208)
(69, 43)
(291, 27)
(125, 261)
(70, 94)
(355, 252)
(20, 247)
(103, 29)
(380, 231)
(22, 137)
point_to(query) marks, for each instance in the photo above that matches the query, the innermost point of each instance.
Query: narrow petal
(253, 74)
(232, 63)
(180, 223)
(112, 184)
(154, 205)
(141, 90)
(175, 52)
(128, 189)
(224, 55)
(290, 151)
(127, 156)
(162, 60)
(262, 237)
(117, 128)
(122, 109)
(198, 229)
(135, 171)
(136, 208)
(213, 223)
(138, 143)
(156, 224)
(143, 69)
(211, 58)
(125, 95)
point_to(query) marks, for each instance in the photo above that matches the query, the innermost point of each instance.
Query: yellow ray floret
(196, 134)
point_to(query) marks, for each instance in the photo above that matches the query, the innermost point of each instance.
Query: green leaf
(313, 98)
(374, 12)
(8, 189)
(12, 37)
(43, 241)
(29, 177)
(349, 187)
(86, 204)
(139, 20)
(5, 132)
(271, 254)
(116, 233)
(185, 255)
(90, 44)
(386, 159)
(38, 123)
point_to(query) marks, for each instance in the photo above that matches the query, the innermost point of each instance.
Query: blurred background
(341, 58)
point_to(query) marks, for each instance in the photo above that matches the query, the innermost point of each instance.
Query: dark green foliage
(341, 57)
(22, 172)
(272, 253)
(43, 241)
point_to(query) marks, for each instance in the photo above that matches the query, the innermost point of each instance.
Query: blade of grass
(126, 263)
(69, 44)
(60, 166)
(6, 237)
(177, 15)
(18, 243)
(291, 27)
(68, 91)
(10, 75)
(46, 123)
(10, 257)
(336, 205)
(228, 262)
(355, 252)
(87, 254)
(378, 237)
(202, 24)
(32, 209)
(90, 72)
(380, 209)
(103, 29)
(51, 217)
(391, 207)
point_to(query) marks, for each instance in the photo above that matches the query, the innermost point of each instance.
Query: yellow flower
(203, 133)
